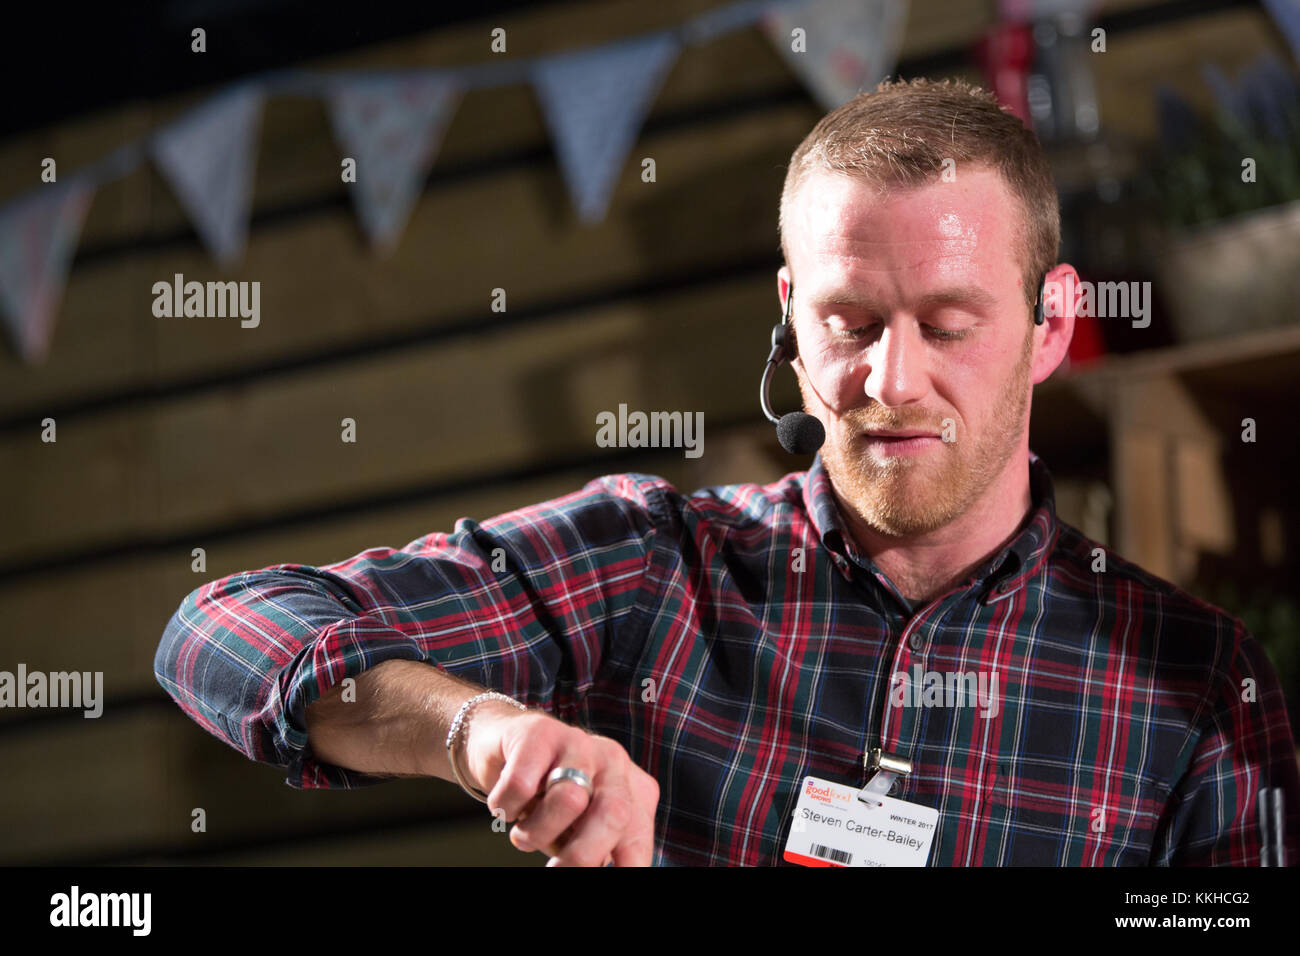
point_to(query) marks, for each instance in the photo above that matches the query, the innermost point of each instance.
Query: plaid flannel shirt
(734, 642)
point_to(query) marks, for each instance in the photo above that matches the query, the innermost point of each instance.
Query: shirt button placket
(905, 727)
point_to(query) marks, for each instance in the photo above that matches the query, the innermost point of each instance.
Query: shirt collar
(1000, 575)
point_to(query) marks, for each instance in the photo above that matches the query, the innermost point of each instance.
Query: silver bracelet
(456, 724)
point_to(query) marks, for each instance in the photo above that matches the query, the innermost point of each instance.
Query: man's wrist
(479, 712)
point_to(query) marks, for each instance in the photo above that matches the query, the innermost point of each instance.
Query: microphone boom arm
(798, 432)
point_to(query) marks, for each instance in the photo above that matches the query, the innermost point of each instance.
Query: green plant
(1198, 175)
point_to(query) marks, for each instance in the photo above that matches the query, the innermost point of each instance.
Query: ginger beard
(910, 495)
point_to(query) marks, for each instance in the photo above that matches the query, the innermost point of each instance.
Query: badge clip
(885, 768)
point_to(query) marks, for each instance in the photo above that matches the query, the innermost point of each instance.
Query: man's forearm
(396, 726)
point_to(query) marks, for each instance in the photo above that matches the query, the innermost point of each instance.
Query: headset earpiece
(798, 432)
(780, 343)
(1039, 317)
(783, 334)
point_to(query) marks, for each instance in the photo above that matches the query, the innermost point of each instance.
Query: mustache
(881, 419)
(876, 417)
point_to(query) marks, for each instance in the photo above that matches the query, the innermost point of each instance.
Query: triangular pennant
(719, 21)
(594, 103)
(38, 235)
(391, 127)
(848, 46)
(207, 156)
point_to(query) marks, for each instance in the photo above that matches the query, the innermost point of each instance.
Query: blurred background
(524, 169)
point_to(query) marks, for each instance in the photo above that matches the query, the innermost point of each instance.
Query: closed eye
(946, 335)
(941, 335)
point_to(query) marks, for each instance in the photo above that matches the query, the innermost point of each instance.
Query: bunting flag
(848, 46)
(594, 103)
(207, 156)
(392, 127)
(720, 21)
(38, 236)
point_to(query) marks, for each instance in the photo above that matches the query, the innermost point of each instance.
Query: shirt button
(895, 787)
(917, 641)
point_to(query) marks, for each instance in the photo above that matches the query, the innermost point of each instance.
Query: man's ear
(1052, 339)
(782, 289)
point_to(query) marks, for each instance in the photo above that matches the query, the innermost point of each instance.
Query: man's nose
(898, 372)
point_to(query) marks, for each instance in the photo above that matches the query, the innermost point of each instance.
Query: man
(690, 661)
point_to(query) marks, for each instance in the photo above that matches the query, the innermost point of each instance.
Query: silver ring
(570, 773)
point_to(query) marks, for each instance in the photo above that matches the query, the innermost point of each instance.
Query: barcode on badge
(830, 853)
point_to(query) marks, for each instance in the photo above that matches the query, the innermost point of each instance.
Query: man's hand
(509, 755)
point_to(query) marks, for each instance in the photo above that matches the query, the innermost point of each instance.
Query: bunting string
(390, 123)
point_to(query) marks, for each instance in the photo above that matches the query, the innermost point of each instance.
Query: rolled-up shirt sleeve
(525, 603)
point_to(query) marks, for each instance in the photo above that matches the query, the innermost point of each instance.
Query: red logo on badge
(818, 793)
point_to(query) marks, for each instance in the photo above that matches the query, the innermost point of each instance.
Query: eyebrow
(956, 295)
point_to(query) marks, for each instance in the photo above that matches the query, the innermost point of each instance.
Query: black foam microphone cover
(800, 433)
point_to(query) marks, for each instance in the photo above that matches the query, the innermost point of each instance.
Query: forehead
(841, 226)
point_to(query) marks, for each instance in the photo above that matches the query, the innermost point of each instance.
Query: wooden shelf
(1165, 426)
(1265, 360)
(1282, 342)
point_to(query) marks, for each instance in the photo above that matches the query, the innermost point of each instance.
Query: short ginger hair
(899, 135)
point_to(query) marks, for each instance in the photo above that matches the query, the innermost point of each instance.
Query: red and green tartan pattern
(731, 665)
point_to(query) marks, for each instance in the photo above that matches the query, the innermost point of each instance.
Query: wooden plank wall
(183, 433)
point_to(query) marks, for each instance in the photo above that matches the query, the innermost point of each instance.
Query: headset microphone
(798, 432)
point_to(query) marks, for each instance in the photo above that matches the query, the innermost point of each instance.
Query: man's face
(910, 316)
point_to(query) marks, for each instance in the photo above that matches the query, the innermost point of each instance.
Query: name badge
(832, 827)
